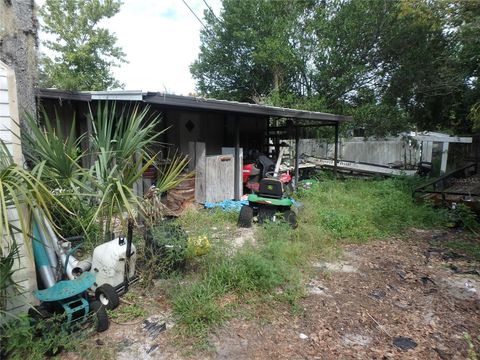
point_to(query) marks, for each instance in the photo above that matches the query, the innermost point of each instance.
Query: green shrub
(81, 222)
(166, 248)
(21, 339)
(465, 217)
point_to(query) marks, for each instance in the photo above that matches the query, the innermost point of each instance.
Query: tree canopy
(392, 64)
(83, 52)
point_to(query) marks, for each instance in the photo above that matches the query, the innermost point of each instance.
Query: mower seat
(271, 188)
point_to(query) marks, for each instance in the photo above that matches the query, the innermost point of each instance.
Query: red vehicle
(253, 172)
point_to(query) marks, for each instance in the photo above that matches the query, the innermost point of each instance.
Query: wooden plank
(219, 178)
(200, 172)
(347, 165)
(231, 151)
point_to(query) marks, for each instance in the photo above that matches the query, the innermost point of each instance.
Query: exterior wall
(187, 126)
(24, 275)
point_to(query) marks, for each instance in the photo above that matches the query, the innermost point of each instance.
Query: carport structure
(216, 122)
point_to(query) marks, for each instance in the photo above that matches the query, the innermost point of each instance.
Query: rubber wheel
(291, 218)
(246, 216)
(38, 313)
(107, 295)
(100, 316)
(266, 214)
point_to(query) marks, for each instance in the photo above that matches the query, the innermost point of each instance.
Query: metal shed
(231, 116)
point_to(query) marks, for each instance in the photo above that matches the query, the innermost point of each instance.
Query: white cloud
(161, 40)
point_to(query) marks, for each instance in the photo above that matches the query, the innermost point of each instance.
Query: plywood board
(231, 151)
(219, 178)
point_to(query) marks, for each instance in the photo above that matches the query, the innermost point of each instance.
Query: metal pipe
(335, 156)
(237, 165)
(42, 263)
(44, 234)
(297, 155)
(128, 254)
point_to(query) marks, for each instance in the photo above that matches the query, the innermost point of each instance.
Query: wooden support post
(297, 155)
(335, 156)
(443, 166)
(236, 173)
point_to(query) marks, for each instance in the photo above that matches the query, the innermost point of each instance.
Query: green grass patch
(359, 210)
(225, 280)
(470, 248)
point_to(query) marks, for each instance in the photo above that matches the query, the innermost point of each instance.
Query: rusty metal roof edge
(192, 103)
(241, 107)
(63, 94)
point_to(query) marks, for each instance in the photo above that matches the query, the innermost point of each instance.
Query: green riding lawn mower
(270, 204)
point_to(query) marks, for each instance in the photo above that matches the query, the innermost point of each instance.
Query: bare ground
(355, 308)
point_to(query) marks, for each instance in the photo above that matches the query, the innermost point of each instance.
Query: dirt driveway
(379, 298)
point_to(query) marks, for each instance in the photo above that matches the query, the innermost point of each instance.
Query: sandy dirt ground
(395, 299)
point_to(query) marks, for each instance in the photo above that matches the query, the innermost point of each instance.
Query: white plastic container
(108, 262)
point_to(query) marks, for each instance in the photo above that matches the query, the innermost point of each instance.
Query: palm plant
(120, 145)
(120, 152)
(60, 152)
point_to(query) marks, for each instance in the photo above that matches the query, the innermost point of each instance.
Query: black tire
(107, 295)
(266, 214)
(100, 316)
(291, 218)
(245, 217)
(38, 313)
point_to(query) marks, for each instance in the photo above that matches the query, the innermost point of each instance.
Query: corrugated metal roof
(193, 103)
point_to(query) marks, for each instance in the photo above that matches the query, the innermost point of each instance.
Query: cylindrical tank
(108, 262)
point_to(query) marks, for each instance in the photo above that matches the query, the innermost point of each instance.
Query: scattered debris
(404, 343)
(314, 287)
(378, 324)
(377, 294)
(425, 280)
(335, 267)
(154, 328)
(152, 348)
(356, 339)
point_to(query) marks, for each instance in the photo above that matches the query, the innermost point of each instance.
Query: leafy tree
(249, 51)
(84, 53)
(393, 64)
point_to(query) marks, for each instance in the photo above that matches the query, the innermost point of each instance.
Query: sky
(161, 38)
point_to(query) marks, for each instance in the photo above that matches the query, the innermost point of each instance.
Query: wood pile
(181, 197)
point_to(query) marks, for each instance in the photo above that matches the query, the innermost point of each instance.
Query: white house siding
(24, 267)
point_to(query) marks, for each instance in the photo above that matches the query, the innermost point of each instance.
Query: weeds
(126, 313)
(275, 266)
(471, 353)
(361, 210)
(22, 339)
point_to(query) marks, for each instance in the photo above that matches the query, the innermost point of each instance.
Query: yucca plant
(59, 152)
(122, 142)
(120, 151)
(170, 176)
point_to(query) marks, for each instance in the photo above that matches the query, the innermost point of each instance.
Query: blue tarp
(227, 205)
(232, 205)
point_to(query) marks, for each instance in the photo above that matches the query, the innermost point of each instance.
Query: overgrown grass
(332, 212)
(258, 269)
(359, 210)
